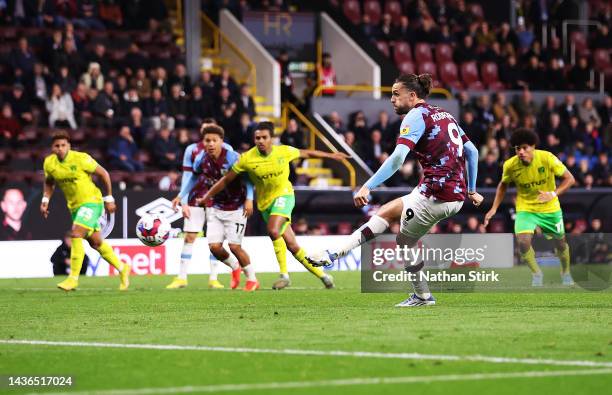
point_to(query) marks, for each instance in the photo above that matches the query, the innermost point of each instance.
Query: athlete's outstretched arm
(311, 153)
(499, 197)
(471, 153)
(109, 202)
(388, 168)
(218, 187)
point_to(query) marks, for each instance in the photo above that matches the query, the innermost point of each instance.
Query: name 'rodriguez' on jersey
(437, 142)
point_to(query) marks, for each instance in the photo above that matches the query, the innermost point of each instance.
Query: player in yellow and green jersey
(533, 172)
(72, 171)
(267, 166)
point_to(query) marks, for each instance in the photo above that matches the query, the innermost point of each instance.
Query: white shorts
(225, 225)
(195, 222)
(420, 213)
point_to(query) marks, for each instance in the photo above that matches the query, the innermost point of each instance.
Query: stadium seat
(469, 73)
(4, 155)
(144, 157)
(352, 11)
(429, 68)
(394, 8)
(401, 52)
(144, 37)
(21, 160)
(579, 41)
(136, 179)
(489, 73)
(372, 8)
(422, 52)
(344, 228)
(383, 47)
(8, 33)
(406, 67)
(449, 75)
(601, 59)
(444, 53)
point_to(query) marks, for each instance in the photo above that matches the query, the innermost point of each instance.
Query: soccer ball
(153, 230)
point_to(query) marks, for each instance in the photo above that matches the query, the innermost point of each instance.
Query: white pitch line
(338, 382)
(288, 351)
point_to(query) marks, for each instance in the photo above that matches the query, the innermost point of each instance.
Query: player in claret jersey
(442, 148)
(72, 171)
(195, 216)
(533, 172)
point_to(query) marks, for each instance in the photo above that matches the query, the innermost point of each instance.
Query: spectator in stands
(588, 113)
(349, 139)
(327, 76)
(359, 125)
(552, 144)
(511, 75)
(501, 108)
(472, 225)
(224, 102)
(82, 105)
(474, 129)
(180, 77)
(183, 139)
(335, 121)
(386, 30)
(111, 14)
(556, 128)
(166, 150)
(372, 150)
(490, 147)
(137, 128)
(579, 76)
(93, 78)
(548, 107)
(225, 80)
(207, 83)
(123, 152)
(245, 101)
(106, 106)
(492, 54)
(61, 109)
(605, 111)
(156, 111)
(507, 36)
(484, 112)
(10, 127)
(577, 133)
(489, 171)
(22, 59)
(554, 78)
(159, 80)
(170, 182)
(405, 32)
(198, 107)
(242, 138)
(601, 170)
(368, 29)
(129, 99)
(37, 87)
(602, 39)
(20, 104)
(87, 15)
(61, 257)
(64, 79)
(100, 57)
(534, 74)
(286, 80)
(524, 105)
(389, 134)
(484, 36)
(466, 51)
(177, 106)
(293, 135)
(141, 83)
(568, 108)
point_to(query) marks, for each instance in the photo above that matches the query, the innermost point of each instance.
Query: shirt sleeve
(291, 153)
(232, 157)
(556, 165)
(197, 162)
(462, 134)
(187, 162)
(411, 129)
(47, 168)
(228, 147)
(88, 163)
(506, 177)
(240, 165)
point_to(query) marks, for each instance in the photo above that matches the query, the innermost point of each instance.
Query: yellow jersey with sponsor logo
(530, 179)
(269, 173)
(73, 176)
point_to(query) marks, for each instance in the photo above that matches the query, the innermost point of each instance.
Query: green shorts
(551, 223)
(87, 216)
(282, 206)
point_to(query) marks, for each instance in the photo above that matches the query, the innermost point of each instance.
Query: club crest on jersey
(541, 169)
(404, 131)
(73, 167)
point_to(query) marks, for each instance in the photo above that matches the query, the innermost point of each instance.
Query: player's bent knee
(216, 249)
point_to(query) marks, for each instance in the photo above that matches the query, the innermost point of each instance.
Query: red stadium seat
(352, 11)
(469, 73)
(401, 52)
(601, 59)
(406, 67)
(489, 73)
(394, 8)
(476, 10)
(496, 86)
(422, 52)
(383, 47)
(344, 228)
(372, 8)
(444, 53)
(449, 75)
(428, 68)
(580, 43)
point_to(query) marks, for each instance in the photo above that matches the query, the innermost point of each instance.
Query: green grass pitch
(553, 326)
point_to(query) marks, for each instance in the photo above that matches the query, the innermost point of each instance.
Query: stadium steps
(314, 172)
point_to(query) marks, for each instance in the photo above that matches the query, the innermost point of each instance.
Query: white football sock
(214, 268)
(185, 260)
(249, 271)
(231, 261)
(375, 226)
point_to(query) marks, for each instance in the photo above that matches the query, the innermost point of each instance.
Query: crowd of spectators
(459, 33)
